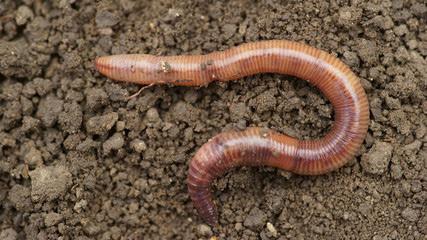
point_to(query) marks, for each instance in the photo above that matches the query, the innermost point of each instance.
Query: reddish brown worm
(257, 146)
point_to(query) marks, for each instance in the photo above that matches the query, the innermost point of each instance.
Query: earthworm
(257, 146)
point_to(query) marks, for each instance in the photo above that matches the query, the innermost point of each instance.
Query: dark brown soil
(80, 161)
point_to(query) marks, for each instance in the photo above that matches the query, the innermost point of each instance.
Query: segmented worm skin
(257, 146)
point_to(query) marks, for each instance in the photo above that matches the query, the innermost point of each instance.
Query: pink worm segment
(256, 146)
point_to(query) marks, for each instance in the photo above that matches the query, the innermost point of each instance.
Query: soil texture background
(79, 160)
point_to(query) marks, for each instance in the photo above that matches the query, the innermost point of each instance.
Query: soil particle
(152, 116)
(422, 47)
(422, 224)
(204, 230)
(12, 113)
(20, 197)
(96, 98)
(228, 30)
(184, 112)
(419, 9)
(30, 124)
(271, 229)
(17, 61)
(90, 227)
(138, 145)
(70, 119)
(238, 111)
(116, 93)
(256, 219)
(101, 124)
(52, 219)
(23, 14)
(49, 183)
(38, 29)
(399, 120)
(368, 51)
(376, 161)
(383, 22)
(27, 106)
(403, 87)
(401, 30)
(115, 142)
(33, 157)
(410, 214)
(402, 55)
(349, 16)
(10, 91)
(72, 60)
(41, 86)
(49, 109)
(351, 59)
(8, 234)
(11, 30)
(173, 14)
(80, 206)
(105, 18)
(264, 102)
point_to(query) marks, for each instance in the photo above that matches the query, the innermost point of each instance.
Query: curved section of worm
(256, 146)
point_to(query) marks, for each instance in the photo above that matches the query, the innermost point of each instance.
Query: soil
(79, 160)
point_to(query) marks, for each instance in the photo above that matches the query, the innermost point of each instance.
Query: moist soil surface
(80, 160)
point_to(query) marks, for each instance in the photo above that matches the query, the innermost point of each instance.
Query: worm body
(257, 146)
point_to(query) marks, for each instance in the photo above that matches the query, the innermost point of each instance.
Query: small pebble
(272, 229)
(346, 216)
(204, 230)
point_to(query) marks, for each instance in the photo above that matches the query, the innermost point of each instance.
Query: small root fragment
(139, 91)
